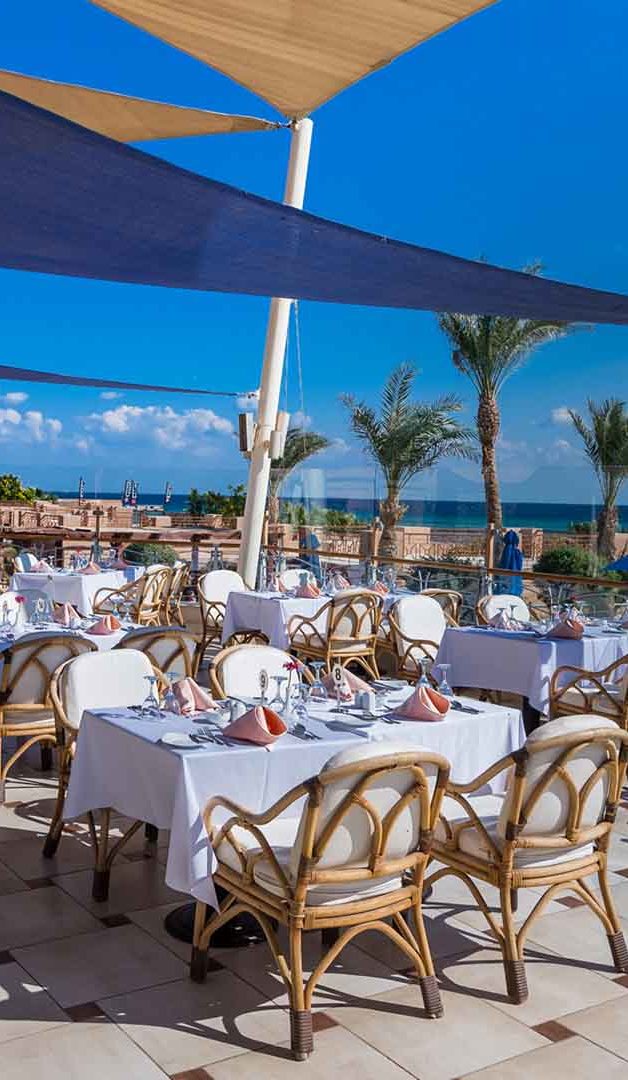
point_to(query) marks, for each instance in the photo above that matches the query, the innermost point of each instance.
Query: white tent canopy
(127, 119)
(296, 54)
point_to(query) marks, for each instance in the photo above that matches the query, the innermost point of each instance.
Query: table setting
(48, 617)
(72, 586)
(159, 764)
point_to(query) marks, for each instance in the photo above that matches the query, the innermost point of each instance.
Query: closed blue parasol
(619, 564)
(511, 559)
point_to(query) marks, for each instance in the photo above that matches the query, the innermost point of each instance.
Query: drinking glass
(40, 612)
(150, 704)
(126, 606)
(279, 699)
(317, 689)
(425, 664)
(169, 701)
(444, 687)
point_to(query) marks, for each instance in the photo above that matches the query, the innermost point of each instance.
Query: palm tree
(300, 445)
(405, 438)
(488, 349)
(606, 446)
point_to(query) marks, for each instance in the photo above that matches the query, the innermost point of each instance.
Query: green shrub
(142, 553)
(568, 560)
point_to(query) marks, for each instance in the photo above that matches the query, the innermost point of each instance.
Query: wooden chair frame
(425, 648)
(12, 672)
(146, 595)
(500, 869)
(331, 647)
(481, 604)
(450, 600)
(246, 637)
(145, 640)
(178, 583)
(292, 908)
(617, 706)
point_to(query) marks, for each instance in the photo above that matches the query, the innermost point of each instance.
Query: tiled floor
(101, 990)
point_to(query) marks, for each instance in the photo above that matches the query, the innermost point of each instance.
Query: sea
(553, 517)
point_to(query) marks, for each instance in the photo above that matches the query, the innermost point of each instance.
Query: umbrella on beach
(511, 559)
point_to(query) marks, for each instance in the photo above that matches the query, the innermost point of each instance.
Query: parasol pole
(272, 373)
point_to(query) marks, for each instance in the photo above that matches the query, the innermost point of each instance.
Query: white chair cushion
(471, 841)
(104, 680)
(291, 578)
(238, 672)
(593, 700)
(217, 584)
(420, 618)
(494, 604)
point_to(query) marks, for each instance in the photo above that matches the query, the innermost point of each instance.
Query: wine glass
(444, 687)
(282, 703)
(425, 664)
(40, 612)
(169, 701)
(317, 689)
(150, 704)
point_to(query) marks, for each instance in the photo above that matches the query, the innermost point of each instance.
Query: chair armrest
(479, 781)
(240, 812)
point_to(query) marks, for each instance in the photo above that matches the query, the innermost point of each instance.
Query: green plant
(584, 528)
(231, 505)
(605, 441)
(300, 445)
(143, 553)
(196, 503)
(13, 490)
(488, 349)
(568, 560)
(404, 438)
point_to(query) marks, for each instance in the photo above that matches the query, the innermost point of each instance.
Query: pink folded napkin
(280, 585)
(424, 704)
(107, 625)
(40, 567)
(570, 627)
(341, 582)
(380, 588)
(502, 621)
(309, 591)
(120, 564)
(65, 614)
(351, 684)
(259, 725)
(192, 697)
(91, 568)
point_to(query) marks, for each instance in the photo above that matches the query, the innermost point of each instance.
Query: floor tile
(39, 915)
(23, 854)
(470, 1036)
(576, 935)
(336, 1053)
(568, 1060)
(25, 1008)
(556, 986)
(91, 966)
(604, 1025)
(133, 886)
(78, 1052)
(152, 921)
(184, 1024)
(10, 882)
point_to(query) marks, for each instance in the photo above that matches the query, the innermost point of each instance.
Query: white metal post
(272, 373)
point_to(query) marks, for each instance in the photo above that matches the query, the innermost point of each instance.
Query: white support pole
(272, 373)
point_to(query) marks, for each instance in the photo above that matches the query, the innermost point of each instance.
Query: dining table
(271, 612)
(125, 762)
(74, 587)
(523, 661)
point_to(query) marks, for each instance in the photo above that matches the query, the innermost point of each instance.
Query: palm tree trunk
(488, 430)
(606, 529)
(391, 511)
(273, 507)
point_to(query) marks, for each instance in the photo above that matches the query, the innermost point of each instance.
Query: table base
(241, 932)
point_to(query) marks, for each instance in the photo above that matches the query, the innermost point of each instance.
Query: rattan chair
(173, 594)
(101, 680)
(343, 630)
(604, 693)
(450, 601)
(552, 829)
(293, 576)
(169, 648)
(144, 597)
(234, 672)
(247, 637)
(417, 624)
(25, 703)
(213, 593)
(489, 606)
(354, 860)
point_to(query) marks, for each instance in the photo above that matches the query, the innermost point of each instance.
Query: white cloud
(110, 395)
(160, 425)
(300, 419)
(248, 402)
(560, 415)
(28, 427)
(14, 397)
(83, 444)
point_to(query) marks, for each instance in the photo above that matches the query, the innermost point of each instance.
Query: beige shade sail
(127, 119)
(296, 54)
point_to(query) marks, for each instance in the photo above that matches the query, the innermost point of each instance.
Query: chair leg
(45, 753)
(51, 842)
(428, 984)
(616, 940)
(514, 967)
(301, 1039)
(198, 960)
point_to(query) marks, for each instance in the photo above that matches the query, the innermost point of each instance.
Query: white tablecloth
(271, 613)
(120, 763)
(103, 642)
(71, 587)
(522, 663)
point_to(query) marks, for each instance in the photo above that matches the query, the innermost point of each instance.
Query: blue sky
(502, 138)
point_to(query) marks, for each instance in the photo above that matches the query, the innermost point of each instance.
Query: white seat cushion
(470, 840)
(594, 701)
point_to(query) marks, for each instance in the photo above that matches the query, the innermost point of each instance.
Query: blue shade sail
(77, 203)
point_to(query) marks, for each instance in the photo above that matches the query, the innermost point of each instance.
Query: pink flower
(293, 665)
(20, 599)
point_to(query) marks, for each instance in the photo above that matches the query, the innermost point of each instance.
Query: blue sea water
(554, 517)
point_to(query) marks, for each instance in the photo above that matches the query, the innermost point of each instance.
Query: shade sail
(74, 202)
(128, 119)
(18, 374)
(296, 54)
